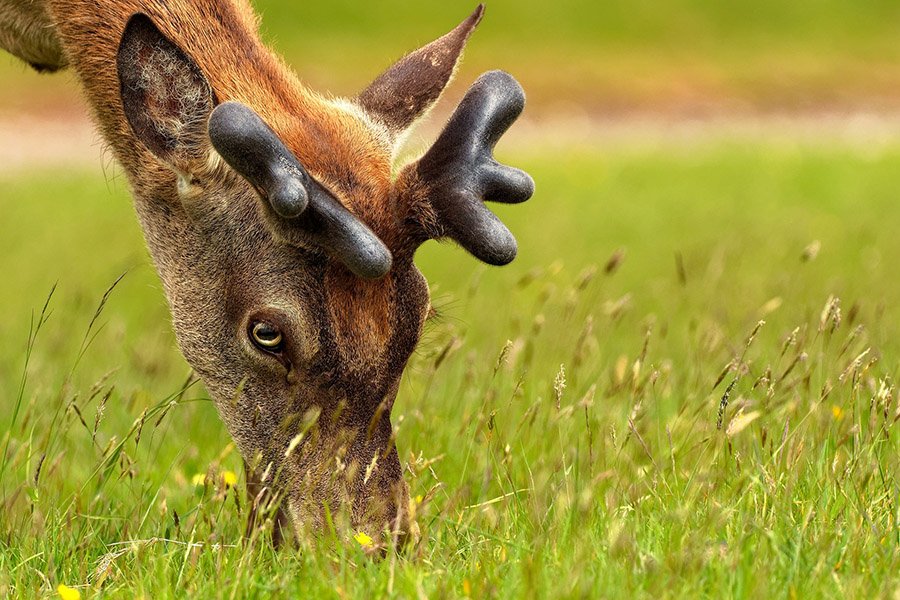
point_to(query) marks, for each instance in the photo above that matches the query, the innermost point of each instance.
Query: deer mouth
(333, 477)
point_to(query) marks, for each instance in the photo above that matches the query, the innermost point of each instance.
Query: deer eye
(266, 337)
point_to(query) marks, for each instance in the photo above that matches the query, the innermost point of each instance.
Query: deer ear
(411, 86)
(165, 96)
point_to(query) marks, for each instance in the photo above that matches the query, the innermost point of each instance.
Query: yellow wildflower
(67, 593)
(837, 412)
(363, 539)
(229, 478)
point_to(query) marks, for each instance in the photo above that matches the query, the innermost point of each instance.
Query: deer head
(284, 242)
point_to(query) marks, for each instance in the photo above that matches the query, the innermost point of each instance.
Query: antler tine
(461, 173)
(252, 149)
(299, 202)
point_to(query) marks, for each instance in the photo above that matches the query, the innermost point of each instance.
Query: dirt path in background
(33, 142)
(66, 138)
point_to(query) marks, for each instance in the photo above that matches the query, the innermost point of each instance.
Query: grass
(608, 417)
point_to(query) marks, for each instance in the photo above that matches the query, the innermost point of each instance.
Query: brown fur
(347, 341)
(26, 32)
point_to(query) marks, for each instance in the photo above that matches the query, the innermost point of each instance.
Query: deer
(284, 233)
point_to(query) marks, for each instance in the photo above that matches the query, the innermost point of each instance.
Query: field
(574, 440)
(683, 387)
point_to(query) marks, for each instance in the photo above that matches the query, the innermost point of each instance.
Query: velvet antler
(303, 209)
(459, 172)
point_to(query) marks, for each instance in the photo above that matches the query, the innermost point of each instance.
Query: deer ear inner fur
(166, 97)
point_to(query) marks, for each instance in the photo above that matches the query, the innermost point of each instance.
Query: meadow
(683, 387)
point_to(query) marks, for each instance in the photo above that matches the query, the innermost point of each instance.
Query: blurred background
(616, 56)
(591, 68)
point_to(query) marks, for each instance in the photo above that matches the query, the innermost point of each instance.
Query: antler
(460, 173)
(298, 201)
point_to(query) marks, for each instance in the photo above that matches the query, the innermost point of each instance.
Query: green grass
(569, 443)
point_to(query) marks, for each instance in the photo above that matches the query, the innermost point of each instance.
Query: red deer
(282, 235)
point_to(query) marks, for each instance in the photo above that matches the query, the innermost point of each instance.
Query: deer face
(285, 246)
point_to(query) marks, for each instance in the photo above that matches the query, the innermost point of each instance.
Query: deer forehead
(337, 142)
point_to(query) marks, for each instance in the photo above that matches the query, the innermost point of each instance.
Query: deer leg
(27, 32)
